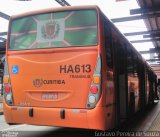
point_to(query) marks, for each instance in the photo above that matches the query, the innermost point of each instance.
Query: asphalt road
(40, 131)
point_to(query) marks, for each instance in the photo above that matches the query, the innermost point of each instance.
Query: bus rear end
(53, 69)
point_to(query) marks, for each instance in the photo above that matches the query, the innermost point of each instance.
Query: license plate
(49, 96)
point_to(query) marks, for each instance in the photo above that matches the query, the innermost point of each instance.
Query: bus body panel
(52, 79)
(90, 119)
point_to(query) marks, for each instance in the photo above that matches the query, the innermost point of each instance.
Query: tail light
(95, 88)
(7, 89)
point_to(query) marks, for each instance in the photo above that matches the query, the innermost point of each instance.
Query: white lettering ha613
(85, 68)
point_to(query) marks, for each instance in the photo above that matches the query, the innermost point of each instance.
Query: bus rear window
(54, 30)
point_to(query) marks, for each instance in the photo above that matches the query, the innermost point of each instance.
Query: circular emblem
(38, 82)
(50, 30)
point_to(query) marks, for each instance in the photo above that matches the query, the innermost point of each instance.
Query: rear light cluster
(95, 88)
(7, 91)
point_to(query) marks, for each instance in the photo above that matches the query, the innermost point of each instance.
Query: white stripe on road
(12, 128)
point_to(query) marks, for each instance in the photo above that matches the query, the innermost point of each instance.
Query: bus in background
(71, 67)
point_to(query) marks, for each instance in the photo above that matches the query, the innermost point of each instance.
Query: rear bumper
(77, 118)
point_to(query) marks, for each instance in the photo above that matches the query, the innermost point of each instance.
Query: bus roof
(55, 9)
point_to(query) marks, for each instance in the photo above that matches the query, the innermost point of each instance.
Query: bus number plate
(49, 96)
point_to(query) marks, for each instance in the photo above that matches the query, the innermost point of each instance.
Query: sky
(111, 8)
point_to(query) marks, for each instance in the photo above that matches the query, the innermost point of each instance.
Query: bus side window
(130, 61)
(108, 46)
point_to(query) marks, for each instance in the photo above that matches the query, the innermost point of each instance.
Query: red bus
(71, 67)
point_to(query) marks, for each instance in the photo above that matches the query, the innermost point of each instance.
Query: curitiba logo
(50, 30)
(38, 82)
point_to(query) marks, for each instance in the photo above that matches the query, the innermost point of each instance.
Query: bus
(71, 67)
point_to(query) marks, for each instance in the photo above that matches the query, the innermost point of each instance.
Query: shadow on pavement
(69, 132)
